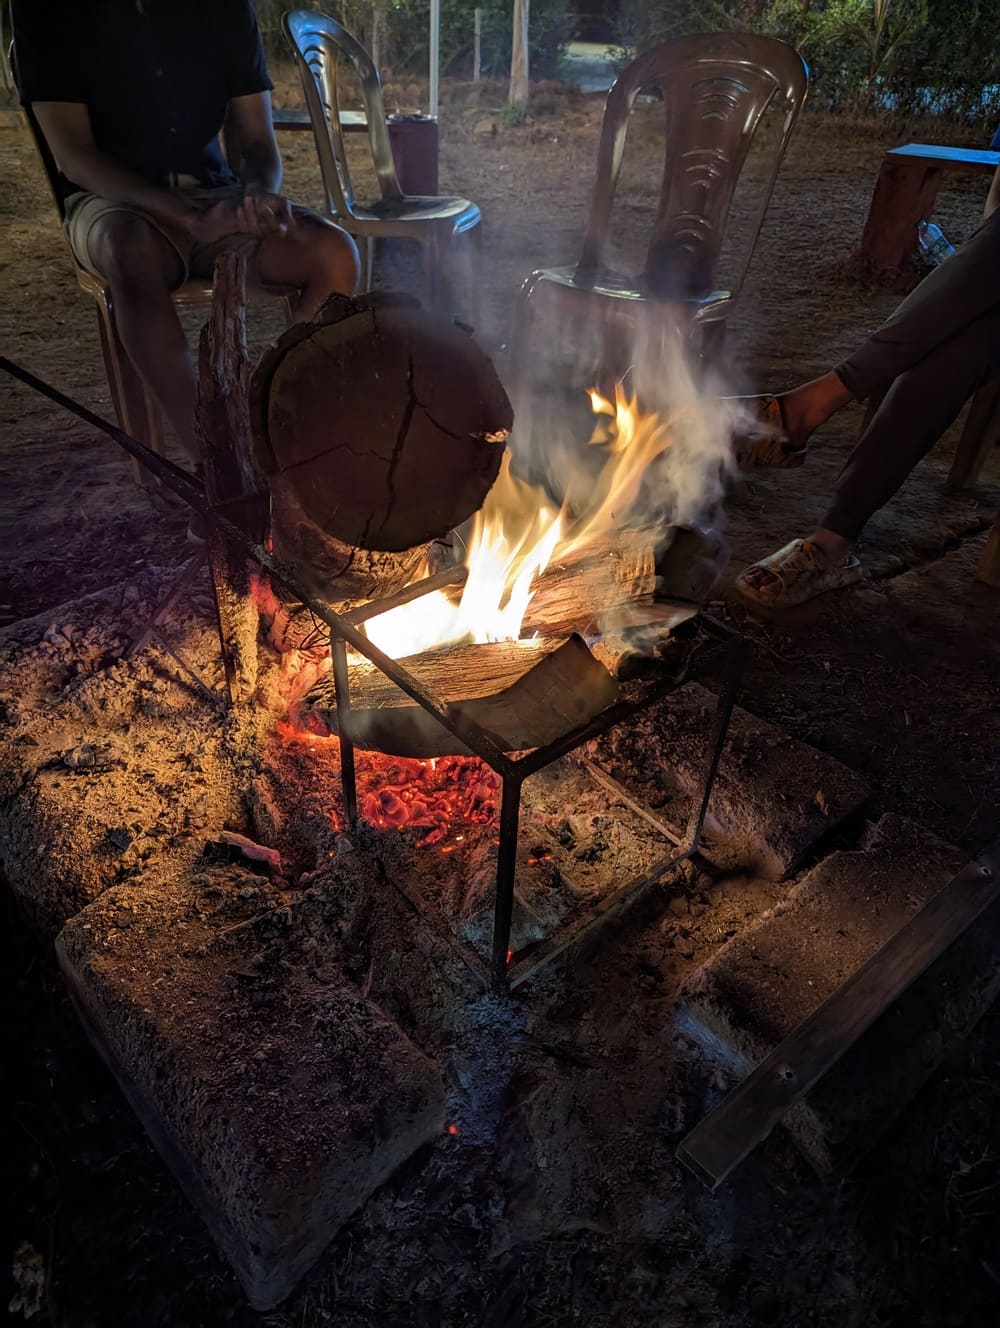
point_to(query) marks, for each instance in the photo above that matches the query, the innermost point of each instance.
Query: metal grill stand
(713, 645)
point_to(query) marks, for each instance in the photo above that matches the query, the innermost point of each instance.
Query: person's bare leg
(142, 268)
(314, 256)
(833, 545)
(804, 409)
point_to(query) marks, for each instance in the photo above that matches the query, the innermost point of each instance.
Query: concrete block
(278, 1095)
(774, 797)
(763, 983)
(106, 764)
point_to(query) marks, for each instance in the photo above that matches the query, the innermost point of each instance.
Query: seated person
(130, 96)
(940, 346)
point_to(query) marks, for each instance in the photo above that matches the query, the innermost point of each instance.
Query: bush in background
(404, 40)
(890, 57)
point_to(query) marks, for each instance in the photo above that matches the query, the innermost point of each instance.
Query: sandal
(765, 443)
(797, 573)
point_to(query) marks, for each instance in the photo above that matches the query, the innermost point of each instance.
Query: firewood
(454, 673)
(584, 591)
(230, 475)
(561, 689)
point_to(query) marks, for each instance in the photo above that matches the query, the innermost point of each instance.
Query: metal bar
(183, 484)
(432, 917)
(434, 59)
(618, 791)
(223, 558)
(188, 572)
(748, 1114)
(610, 907)
(468, 731)
(609, 717)
(342, 692)
(717, 738)
(453, 576)
(503, 913)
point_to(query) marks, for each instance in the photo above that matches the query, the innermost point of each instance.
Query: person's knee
(136, 259)
(330, 255)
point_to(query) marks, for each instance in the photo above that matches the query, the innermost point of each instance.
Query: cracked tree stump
(379, 428)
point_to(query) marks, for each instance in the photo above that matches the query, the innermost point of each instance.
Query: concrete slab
(774, 799)
(279, 1096)
(760, 985)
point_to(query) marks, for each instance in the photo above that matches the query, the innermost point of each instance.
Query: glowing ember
(518, 532)
(397, 793)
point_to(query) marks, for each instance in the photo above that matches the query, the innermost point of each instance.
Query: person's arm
(68, 133)
(67, 130)
(993, 197)
(257, 162)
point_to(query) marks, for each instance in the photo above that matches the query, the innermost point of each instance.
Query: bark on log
(379, 427)
(224, 430)
(455, 673)
(564, 688)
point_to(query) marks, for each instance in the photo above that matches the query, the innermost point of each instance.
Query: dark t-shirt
(156, 77)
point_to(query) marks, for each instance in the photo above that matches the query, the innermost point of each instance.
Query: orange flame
(518, 532)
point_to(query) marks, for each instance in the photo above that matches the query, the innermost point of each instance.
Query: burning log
(581, 592)
(548, 692)
(379, 428)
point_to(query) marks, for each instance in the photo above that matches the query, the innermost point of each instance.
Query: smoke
(683, 484)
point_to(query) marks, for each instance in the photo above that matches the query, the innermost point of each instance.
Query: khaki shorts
(83, 211)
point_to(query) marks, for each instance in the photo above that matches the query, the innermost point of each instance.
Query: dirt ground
(896, 678)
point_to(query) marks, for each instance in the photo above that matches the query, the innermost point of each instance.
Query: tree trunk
(230, 476)
(519, 55)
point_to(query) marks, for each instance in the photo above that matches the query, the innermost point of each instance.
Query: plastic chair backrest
(716, 88)
(316, 42)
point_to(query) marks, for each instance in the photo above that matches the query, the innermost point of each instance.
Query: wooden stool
(905, 192)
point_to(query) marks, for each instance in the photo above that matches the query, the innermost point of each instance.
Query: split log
(455, 673)
(552, 692)
(585, 591)
(380, 427)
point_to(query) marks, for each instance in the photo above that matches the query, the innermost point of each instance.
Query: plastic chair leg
(366, 255)
(713, 343)
(618, 347)
(475, 278)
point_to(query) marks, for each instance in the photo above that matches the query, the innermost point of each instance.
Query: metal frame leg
(510, 816)
(717, 740)
(342, 692)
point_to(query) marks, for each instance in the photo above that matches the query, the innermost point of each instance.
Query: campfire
(443, 630)
(421, 653)
(427, 630)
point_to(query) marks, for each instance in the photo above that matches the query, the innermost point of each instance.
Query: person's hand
(205, 227)
(262, 213)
